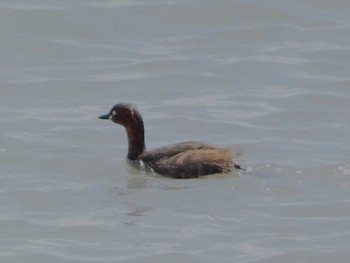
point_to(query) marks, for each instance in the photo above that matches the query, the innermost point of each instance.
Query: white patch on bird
(114, 112)
(142, 164)
(110, 117)
(145, 167)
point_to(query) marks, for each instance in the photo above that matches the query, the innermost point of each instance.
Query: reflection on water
(269, 78)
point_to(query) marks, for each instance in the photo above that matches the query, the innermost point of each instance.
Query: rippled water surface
(271, 77)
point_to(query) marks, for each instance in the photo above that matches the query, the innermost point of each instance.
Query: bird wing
(190, 159)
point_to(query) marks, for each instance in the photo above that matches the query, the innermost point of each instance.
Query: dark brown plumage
(181, 160)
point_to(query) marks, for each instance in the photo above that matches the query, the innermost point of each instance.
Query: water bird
(181, 160)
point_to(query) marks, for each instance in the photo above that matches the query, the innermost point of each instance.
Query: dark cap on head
(124, 114)
(119, 107)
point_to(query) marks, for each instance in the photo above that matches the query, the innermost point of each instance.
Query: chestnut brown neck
(136, 140)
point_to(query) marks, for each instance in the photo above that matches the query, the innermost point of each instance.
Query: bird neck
(136, 139)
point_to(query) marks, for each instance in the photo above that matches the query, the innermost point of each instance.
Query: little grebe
(181, 160)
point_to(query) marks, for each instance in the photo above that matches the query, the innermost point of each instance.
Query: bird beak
(104, 117)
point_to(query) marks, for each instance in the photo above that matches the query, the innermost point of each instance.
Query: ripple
(35, 5)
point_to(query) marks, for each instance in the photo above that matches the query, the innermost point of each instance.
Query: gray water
(270, 77)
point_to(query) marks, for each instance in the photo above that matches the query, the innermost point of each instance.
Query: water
(270, 77)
